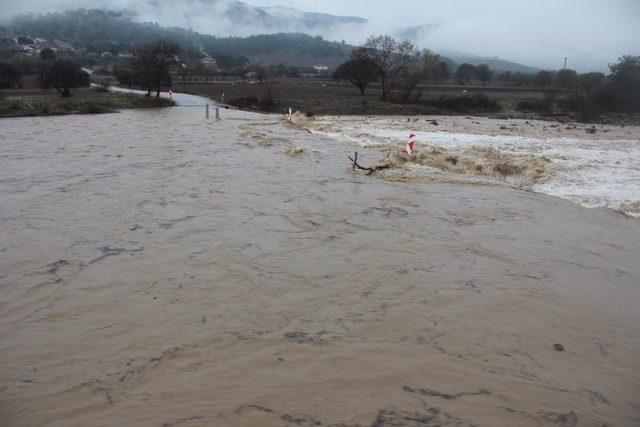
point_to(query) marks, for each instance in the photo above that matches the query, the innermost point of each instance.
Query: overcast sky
(591, 33)
(540, 33)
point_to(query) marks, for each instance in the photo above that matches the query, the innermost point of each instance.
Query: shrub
(15, 106)
(46, 108)
(537, 105)
(464, 103)
(573, 102)
(614, 97)
(268, 99)
(90, 107)
(249, 102)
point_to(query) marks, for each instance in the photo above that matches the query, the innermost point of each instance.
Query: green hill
(97, 31)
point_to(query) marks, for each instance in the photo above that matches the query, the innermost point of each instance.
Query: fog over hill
(591, 33)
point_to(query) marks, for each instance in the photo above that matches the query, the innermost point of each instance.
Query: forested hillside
(99, 31)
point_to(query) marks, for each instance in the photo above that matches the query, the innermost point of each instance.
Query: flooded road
(158, 269)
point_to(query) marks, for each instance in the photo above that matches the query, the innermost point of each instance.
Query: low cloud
(591, 33)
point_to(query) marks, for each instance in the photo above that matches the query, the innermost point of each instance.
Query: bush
(249, 102)
(150, 102)
(46, 108)
(92, 108)
(268, 99)
(9, 107)
(573, 103)
(537, 105)
(9, 75)
(465, 103)
(614, 97)
(15, 106)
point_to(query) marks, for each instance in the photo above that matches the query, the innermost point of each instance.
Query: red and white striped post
(409, 148)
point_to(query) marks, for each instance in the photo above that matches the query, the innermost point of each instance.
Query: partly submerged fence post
(207, 111)
(217, 113)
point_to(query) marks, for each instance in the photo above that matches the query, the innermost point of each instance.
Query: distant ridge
(496, 64)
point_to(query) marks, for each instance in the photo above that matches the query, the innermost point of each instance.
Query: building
(62, 45)
(208, 64)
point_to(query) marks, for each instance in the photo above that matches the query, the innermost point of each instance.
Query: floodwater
(160, 269)
(599, 169)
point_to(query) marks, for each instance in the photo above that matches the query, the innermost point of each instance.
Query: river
(158, 268)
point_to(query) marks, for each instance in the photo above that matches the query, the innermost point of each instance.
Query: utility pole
(565, 63)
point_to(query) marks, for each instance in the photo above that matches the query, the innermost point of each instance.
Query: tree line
(62, 74)
(96, 31)
(150, 69)
(399, 68)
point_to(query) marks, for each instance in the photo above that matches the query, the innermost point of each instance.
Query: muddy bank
(160, 269)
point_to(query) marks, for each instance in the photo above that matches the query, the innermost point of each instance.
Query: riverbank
(160, 268)
(21, 103)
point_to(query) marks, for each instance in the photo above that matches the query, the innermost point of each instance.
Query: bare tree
(588, 82)
(64, 75)
(9, 75)
(262, 73)
(394, 59)
(465, 72)
(360, 72)
(430, 63)
(567, 79)
(506, 77)
(484, 73)
(152, 63)
(543, 79)
(441, 72)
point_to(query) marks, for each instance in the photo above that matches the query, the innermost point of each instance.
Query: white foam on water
(593, 173)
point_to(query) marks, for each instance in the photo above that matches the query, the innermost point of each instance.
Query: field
(35, 102)
(325, 96)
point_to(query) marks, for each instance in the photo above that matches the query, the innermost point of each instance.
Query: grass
(20, 103)
(334, 107)
(328, 97)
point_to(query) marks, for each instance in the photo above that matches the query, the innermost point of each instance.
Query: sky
(539, 33)
(591, 33)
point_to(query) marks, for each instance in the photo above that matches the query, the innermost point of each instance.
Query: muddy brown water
(160, 269)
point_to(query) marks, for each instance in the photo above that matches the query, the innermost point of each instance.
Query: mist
(590, 33)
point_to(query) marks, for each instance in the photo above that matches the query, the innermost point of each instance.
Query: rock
(558, 347)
